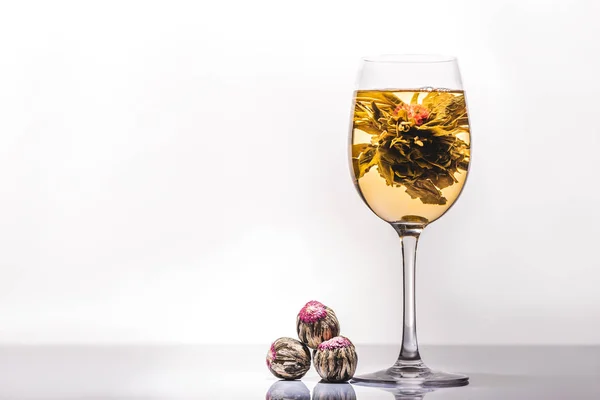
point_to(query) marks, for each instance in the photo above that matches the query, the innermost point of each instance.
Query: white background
(177, 172)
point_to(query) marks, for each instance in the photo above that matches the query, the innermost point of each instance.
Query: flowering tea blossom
(419, 146)
(416, 112)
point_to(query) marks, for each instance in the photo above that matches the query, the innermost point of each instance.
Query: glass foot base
(412, 378)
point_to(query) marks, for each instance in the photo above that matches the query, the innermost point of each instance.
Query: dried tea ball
(288, 358)
(335, 360)
(333, 391)
(288, 390)
(316, 323)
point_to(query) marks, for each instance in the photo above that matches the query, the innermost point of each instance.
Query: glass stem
(409, 352)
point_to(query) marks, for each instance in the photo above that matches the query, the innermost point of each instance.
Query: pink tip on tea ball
(335, 360)
(316, 323)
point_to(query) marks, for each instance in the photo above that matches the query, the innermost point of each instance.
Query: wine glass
(410, 151)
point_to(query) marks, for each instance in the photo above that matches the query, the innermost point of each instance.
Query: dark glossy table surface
(232, 372)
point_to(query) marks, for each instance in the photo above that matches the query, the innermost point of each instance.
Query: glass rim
(409, 58)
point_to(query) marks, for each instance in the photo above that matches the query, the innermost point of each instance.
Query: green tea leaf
(376, 111)
(392, 99)
(367, 159)
(426, 191)
(415, 98)
(358, 148)
(367, 127)
(386, 171)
